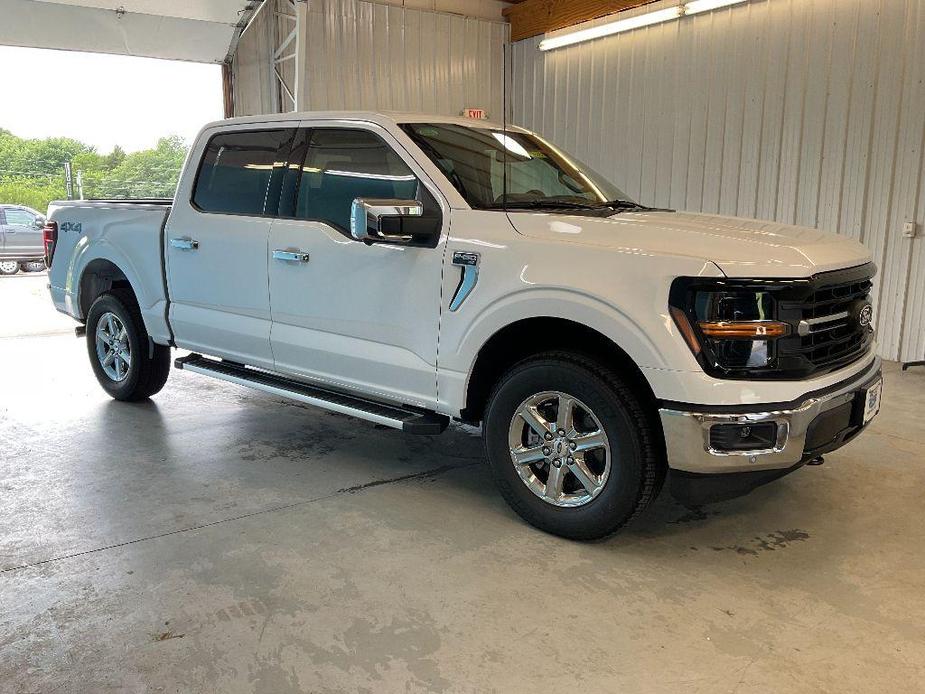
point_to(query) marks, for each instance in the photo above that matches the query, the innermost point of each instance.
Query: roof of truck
(380, 117)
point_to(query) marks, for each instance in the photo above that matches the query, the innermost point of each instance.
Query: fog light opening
(743, 437)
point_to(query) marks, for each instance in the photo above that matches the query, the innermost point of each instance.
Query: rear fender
(146, 285)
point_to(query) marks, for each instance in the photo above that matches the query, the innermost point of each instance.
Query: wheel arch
(530, 336)
(99, 276)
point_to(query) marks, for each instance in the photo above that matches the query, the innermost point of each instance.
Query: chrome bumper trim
(687, 433)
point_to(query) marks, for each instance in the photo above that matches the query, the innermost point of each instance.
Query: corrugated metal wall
(250, 68)
(364, 55)
(802, 111)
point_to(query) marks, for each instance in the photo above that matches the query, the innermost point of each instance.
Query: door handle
(291, 256)
(185, 244)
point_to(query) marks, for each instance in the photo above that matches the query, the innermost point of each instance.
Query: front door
(350, 315)
(216, 246)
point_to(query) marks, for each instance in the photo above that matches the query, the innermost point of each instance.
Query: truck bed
(109, 238)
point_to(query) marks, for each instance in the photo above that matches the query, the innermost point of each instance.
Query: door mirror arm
(385, 220)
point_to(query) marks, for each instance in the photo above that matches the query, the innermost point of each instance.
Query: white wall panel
(364, 55)
(377, 56)
(251, 71)
(801, 111)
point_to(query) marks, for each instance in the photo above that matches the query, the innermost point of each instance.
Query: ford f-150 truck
(412, 270)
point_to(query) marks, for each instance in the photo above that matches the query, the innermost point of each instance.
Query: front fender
(544, 302)
(622, 294)
(651, 345)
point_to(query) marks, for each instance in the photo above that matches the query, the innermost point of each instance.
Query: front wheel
(125, 362)
(9, 267)
(571, 446)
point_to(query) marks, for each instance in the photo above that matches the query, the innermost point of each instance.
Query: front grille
(825, 316)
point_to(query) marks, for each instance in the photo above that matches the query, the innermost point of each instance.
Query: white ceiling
(195, 30)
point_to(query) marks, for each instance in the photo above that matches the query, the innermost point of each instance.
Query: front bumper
(815, 424)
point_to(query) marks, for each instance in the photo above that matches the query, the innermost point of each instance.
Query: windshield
(538, 174)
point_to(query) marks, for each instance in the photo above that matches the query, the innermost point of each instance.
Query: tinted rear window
(237, 171)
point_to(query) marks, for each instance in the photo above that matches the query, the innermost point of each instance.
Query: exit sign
(477, 113)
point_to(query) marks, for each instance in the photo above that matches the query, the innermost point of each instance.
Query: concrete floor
(217, 540)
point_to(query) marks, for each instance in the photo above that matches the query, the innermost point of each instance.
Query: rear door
(216, 243)
(355, 316)
(22, 238)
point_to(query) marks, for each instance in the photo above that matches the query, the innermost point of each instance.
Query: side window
(19, 218)
(344, 164)
(240, 171)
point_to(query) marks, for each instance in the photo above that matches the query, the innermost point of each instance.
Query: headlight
(783, 328)
(728, 328)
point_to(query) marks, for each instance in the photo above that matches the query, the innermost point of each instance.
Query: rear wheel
(9, 267)
(571, 447)
(120, 352)
(32, 266)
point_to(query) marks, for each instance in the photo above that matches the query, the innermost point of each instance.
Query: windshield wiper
(548, 205)
(624, 205)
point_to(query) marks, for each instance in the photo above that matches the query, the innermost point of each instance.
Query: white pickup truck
(411, 270)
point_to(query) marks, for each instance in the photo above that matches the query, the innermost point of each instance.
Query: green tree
(151, 173)
(32, 171)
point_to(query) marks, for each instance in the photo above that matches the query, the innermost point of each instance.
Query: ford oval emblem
(866, 315)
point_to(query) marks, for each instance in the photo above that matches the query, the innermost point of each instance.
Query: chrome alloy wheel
(112, 347)
(559, 449)
(9, 267)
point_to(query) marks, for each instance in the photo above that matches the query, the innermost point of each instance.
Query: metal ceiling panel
(220, 11)
(194, 30)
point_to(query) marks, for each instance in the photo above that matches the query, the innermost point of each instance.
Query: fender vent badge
(468, 262)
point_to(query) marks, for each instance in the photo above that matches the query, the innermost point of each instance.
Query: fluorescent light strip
(642, 20)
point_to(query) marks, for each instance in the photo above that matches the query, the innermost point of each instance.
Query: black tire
(148, 370)
(32, 266)
(636, 473)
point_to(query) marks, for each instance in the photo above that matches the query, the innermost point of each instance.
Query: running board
(407, 419)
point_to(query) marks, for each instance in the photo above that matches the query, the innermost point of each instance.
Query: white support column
(301, 26)
(286, 27)
(271, 41)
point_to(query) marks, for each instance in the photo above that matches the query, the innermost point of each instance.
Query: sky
(105, 100)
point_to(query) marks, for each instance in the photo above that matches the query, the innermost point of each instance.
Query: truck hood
(740, 247)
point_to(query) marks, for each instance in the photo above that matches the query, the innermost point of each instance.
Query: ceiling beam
(534, 17)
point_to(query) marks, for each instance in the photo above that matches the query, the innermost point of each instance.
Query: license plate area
(871, 401)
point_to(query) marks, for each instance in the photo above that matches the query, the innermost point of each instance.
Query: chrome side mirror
(381, 220)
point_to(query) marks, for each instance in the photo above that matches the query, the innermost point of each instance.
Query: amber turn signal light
(744, 330)
(687, 331)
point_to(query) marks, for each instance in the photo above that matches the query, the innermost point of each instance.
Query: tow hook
(816, 461)
(80, 331)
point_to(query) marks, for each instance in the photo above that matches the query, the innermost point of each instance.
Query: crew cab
(411, 270)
